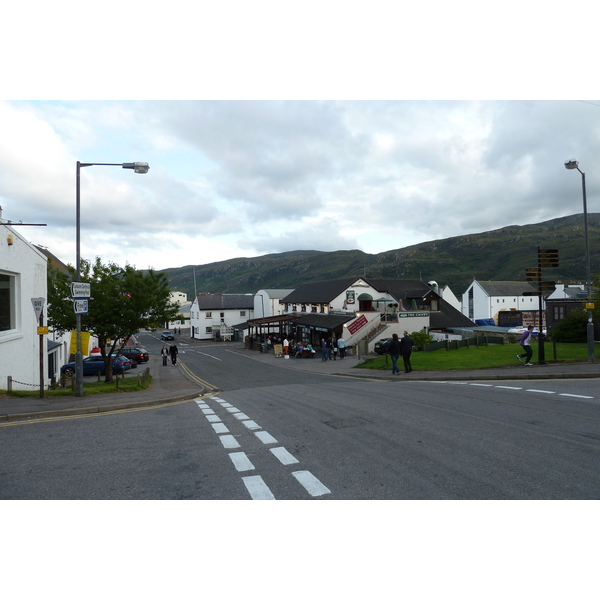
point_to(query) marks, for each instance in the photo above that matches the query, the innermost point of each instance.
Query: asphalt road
(275, 433)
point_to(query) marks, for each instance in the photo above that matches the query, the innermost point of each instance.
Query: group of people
(171, 351)
(332, 348)
(400, 348)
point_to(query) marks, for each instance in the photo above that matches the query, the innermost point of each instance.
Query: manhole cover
(343, 423)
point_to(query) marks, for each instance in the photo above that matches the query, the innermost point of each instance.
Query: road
(277, 433)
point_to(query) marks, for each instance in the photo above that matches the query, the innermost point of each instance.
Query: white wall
(19, 346)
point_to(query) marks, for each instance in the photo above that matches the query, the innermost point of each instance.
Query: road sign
(80, 306)
(38, 305)
(42, 330)
(547, 287)
(79, 289)
(533, 274)
(547, 258)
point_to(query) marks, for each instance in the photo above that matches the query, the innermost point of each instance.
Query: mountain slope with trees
(500, 255)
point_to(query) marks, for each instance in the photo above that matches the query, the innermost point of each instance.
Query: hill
(498, 255)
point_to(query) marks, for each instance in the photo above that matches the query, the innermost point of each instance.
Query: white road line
(220, 428)
(284, 457)
(208, 411)
(577, 396)
(310, 483)
(241, 416)
(226, 404)
(217, 399)
(241, 462)
(201, 404)
(213, 418)
(508, 387)
(265, 438)
(483, 384)
(541, 391)
(250, 424)
(233, 409)
(229, 441)
(456, 382)
(257, 488)
(210, 356)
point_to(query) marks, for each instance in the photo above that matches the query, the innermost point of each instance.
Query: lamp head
(138, 167)
(572, 164)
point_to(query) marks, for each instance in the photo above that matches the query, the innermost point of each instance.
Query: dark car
(167, 335)
(138, 355)
(382, 345)
(92, 365)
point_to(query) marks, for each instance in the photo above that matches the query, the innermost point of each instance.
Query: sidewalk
(171, 385)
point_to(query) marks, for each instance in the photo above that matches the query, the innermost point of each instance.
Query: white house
(485, 299)
(267, 303)
(23, 277)
(212, 316)
(179, 298)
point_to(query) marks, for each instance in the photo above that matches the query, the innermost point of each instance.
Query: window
(222, 315)
(208, 315)
(559, 313)
(7, 302)
(242, 313)
(209, 330)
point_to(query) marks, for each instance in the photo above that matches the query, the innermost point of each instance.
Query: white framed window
(242, 313)
(208, 330)
(8, 302)
(208, 315)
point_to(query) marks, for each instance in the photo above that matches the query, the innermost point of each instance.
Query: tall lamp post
(573, 164)
(138, 167)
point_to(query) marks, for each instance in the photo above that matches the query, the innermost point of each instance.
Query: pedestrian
(525, 340)
(406, 347)
(341, 347)
(335, 348)
(286, 346)
(323, 350)
(173, 352)
(164, 353)
(394, 350)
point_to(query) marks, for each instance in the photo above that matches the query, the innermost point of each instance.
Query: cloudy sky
(237, 169)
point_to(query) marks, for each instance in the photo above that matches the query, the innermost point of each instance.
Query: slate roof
(225, 301)
(401, 289)
(324, 321)
(506, 288)
(319, 292)
(448, 317)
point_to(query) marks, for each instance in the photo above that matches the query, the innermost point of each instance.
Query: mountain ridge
(496, 255)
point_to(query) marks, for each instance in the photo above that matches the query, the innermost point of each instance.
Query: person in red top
(525, 340)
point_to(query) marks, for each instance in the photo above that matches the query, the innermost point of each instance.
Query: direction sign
(38, 305)
(79, 289)
(80, 306)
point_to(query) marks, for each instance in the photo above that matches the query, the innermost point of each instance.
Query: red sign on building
(357, 324)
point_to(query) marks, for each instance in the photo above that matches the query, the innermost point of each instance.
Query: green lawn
(128, 384)
(482, 357)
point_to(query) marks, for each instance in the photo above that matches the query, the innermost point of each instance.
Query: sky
(239, 178)
(260, 142)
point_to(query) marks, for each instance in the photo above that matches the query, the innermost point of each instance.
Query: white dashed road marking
(229, 441)
(257, 488)
(284, 457)
(241, 462)
(265, 438)
(312, 485)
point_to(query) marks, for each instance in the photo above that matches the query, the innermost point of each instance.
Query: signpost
(38, 307)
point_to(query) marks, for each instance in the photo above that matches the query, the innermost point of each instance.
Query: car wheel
(69, 372)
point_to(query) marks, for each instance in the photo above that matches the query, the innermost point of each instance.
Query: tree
(123, 301)
(571, 329)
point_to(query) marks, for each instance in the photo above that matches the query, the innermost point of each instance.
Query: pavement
(176, 384)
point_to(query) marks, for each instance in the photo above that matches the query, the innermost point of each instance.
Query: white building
(212, 316)
(267, 303)
(179, 298)
(23, 277)
(485, 299)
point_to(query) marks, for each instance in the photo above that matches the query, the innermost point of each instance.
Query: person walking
(323, 350)
(165, 354)
(173, 352)
(341, 347)
(329, 346)
(525, 341)
(394, 350)
(406, 348)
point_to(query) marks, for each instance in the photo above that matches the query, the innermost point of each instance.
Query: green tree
(572, 328)
(420, 338)
(123, 301)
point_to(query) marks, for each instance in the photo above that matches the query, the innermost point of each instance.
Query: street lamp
(573, 164)
(138, 167)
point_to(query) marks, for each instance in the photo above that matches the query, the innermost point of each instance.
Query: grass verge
(128, 384)
(482, 357)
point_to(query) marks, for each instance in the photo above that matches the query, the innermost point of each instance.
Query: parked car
(167, 335)
(138, 355)
(382, 345)
(92, 365)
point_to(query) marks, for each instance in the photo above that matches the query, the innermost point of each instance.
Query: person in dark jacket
(406, 347)
(173, 352)
(394, 351)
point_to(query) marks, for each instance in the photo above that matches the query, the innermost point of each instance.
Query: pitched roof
(319, 292)
(505, 288)
(448, 317)
(401, 289)
(225, 301)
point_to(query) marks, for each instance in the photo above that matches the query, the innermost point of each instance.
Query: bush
(572, 328)
(420, 338)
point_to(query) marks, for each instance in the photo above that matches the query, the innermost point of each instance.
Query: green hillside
(500, 255)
